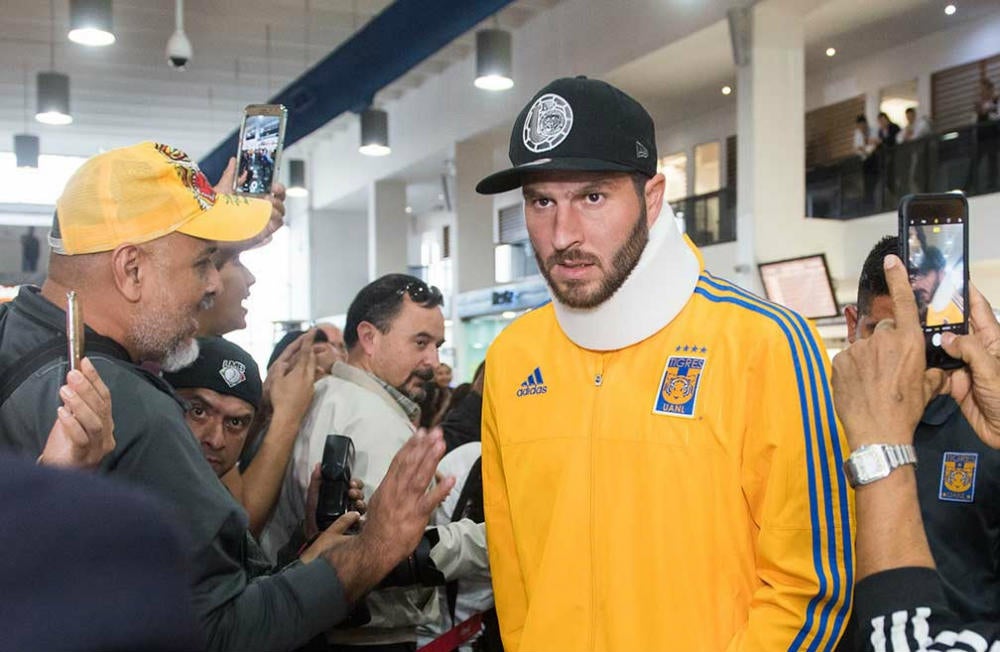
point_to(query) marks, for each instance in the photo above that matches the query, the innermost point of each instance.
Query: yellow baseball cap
(140, 193)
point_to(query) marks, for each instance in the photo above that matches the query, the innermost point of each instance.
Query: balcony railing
(964, 159)
(710, 218)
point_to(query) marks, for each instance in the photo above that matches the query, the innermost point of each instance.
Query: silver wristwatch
(877, 461)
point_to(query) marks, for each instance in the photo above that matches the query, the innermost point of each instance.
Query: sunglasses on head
(421, 293)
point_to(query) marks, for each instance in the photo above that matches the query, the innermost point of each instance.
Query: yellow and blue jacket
(682, 493)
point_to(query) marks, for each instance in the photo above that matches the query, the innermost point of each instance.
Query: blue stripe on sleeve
(808, 345)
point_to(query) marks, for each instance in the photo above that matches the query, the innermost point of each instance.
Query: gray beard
(181, 356)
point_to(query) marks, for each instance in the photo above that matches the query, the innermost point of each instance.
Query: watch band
(876, 461)
(900, 454)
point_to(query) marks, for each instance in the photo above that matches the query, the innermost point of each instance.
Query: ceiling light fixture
(950, 10)
(53, 99)
(26, 148)
(52, 87)
(493, 67)
(374, 132)
(297, 178)
(727, 90)
(831, 52)
(90, 22)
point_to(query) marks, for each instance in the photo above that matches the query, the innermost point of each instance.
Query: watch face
(867, 464)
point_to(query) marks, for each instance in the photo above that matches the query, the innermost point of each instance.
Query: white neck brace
(648, 300)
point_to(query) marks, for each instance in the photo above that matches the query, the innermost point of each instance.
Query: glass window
(707, 168)
(674, 169)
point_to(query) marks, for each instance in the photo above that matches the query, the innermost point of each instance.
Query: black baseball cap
(577, 123)
(222, 367)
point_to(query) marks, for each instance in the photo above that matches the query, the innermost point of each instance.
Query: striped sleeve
(904, 610)
(793, 481)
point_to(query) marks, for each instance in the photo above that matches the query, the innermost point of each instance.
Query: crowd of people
(883, 166)
(637, 465)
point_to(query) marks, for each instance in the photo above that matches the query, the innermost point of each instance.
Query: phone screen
(937, 271)
(935, 247)
(258, 155)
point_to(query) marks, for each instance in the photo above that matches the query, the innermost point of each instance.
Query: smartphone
(934, 244)
(336, 468)
(262, 137)
(74, 330)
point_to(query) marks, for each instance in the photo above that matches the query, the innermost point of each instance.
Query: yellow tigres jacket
(682, 493)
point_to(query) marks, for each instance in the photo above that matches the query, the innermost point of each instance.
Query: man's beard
(159, 337)
(417, 394)
(182, 355)
(622, 264)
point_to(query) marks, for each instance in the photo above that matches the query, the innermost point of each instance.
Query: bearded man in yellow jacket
(661, 459)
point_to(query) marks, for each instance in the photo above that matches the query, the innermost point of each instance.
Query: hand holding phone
(934, 245)
(262, 138)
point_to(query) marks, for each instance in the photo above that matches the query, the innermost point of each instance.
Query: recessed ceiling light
(409, 209)
(727, 90)
(949, 10)
(831, 51)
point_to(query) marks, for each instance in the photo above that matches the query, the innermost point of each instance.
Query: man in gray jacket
(393, 330)
(134, 235)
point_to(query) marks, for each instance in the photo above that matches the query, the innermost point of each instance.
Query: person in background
(987, 134)
(134, 235)
(958, 477)
(393, 331)
(335, 337)
(916, 127)
(882, 388)
(865, 143)
(462, 421)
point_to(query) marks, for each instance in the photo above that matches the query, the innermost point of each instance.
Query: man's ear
(127, 266)
(851, 313)
(368, 334)
(653, 196)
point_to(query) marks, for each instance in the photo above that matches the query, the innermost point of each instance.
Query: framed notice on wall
(802, 284)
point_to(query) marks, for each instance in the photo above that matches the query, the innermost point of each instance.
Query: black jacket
(156, 450)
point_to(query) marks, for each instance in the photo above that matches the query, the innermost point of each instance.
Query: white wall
(914, 60)
(338, 260)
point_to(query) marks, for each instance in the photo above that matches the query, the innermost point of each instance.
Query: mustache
(423, 374)
(571, 256)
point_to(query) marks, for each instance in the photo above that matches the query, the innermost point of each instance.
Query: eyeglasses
(421, 293)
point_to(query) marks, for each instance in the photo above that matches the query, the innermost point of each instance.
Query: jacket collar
(653, 294)
(34, 306)
(400, 404)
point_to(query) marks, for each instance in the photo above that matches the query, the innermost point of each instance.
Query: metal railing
(964, 159)
(710, 218)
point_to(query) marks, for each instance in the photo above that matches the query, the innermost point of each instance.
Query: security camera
(178, 50)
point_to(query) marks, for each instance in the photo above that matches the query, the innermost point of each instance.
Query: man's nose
(566, 228)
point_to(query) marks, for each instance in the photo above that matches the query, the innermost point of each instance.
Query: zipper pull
(598, 379)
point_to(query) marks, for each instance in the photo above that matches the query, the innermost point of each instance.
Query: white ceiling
(126, 92)
(685, 77)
